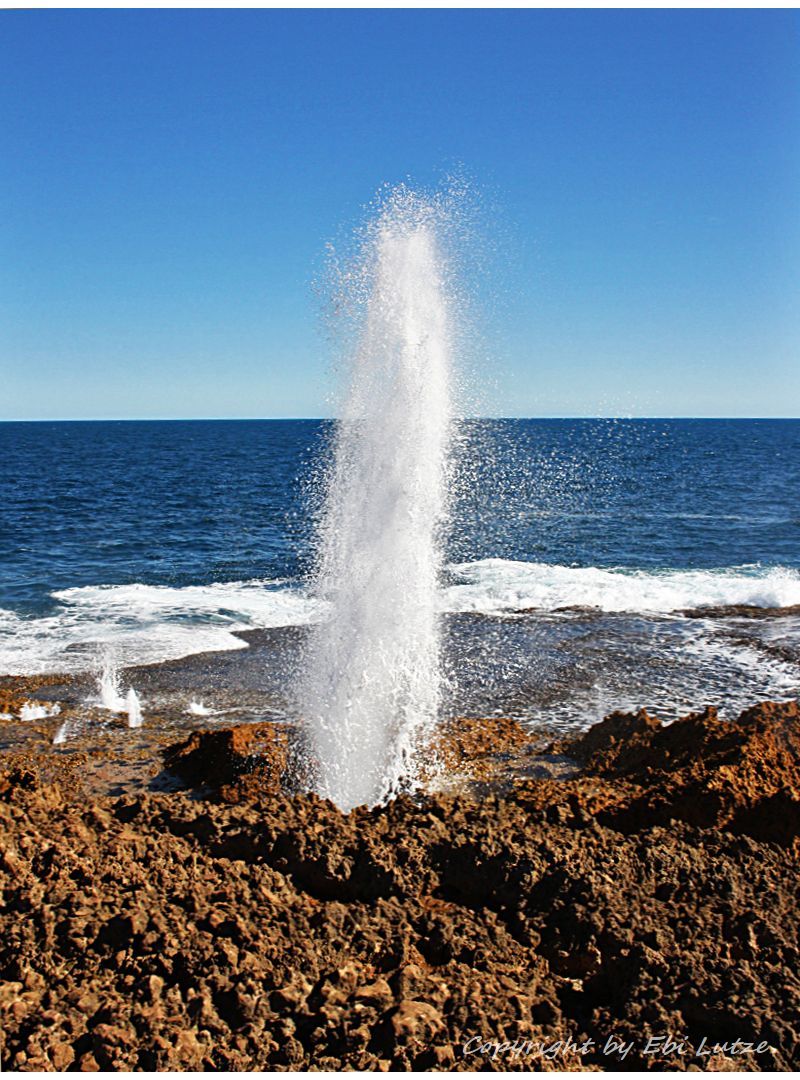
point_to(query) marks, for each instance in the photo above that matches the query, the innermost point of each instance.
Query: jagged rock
(415, 1021)
(742, 775)
(218, 758)
(653, 892)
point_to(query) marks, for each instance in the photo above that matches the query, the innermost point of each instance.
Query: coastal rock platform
(625, 899)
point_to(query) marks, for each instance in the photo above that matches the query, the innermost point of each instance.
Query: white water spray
(109, 687)
(197, 708)
(371, 687)
(114, 697)
(133, 707)
(60, 736)
(32, 711)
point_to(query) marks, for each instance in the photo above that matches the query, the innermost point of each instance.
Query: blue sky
(169, 179)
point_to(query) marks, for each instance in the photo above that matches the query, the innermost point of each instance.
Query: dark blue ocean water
(193, 502)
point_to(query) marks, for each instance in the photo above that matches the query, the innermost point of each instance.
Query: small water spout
(197, 708)
(133, 707)
(109, 687)
(60, 736)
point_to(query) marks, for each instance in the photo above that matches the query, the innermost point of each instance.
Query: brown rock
(377, 993)
(218, 758)
(644, 894)
(741, 775)
(415, 1021)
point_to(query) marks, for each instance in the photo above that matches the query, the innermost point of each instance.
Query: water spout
(370, 691)
(109, 687)
(133, 708)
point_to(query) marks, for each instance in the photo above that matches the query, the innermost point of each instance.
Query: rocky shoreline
(624, 899)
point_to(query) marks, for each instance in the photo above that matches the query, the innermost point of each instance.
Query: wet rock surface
(742, 611)
(651, 891)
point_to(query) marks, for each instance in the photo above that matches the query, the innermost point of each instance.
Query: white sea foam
(745, 672)
(498, 585)
(144, 624)
(149, 624)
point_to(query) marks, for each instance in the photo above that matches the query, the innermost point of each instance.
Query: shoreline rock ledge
(560, 902)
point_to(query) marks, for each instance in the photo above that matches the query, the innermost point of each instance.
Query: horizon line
(294, 419)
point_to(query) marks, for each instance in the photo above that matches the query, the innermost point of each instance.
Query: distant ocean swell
(151, 623)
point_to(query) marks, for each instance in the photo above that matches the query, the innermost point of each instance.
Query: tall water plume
(371, 686)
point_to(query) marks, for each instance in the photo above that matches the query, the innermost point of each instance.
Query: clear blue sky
(169, 179)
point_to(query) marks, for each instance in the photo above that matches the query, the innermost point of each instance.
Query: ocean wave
(144, 624)
(502, 585)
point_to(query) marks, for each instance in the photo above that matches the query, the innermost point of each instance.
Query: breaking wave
(145, 624)
(496, 585)
(152, 623)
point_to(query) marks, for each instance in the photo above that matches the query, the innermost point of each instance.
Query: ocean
(591, 564)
